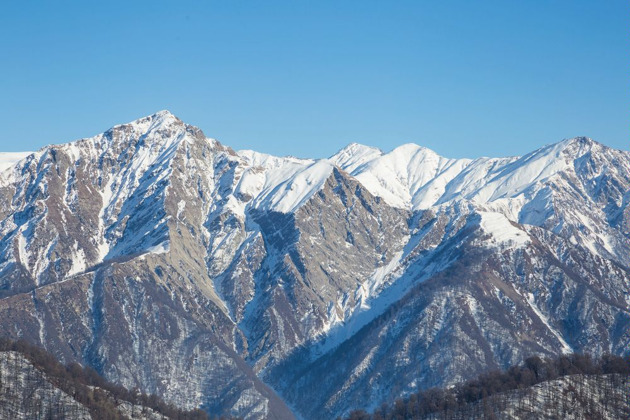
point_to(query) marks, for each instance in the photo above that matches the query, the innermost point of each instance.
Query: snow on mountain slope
(9, 159)
(502, 230)
(281, 184)
(473, 177)
(487, 180)
(416, 178)
(522, 190)
(410, 176)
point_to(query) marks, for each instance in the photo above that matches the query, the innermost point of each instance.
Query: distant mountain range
(272, 287)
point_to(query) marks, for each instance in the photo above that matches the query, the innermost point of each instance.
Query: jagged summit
(163, 123)
(581, 140)
(578, 146)
(355, 155)
(164, 114)
(157, 118)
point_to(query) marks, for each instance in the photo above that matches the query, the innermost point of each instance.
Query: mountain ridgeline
(258, 286)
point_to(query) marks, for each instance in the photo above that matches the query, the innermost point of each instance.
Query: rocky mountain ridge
(170, 262)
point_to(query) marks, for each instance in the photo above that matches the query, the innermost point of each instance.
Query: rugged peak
(166, 245)
(159, 120)
(160, 117)
(354, 156)
(165, 113)
(354, 148)
(560, 155)
(581, 140)
(165, 118)
(578, 144)
(159, 130)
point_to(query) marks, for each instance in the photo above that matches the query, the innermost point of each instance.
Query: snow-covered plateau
(270, 287)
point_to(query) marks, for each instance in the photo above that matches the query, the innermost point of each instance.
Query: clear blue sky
(465, 78)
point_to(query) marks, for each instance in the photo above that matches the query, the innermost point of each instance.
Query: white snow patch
(502, 230)
(40, 320)
(23, 248)
(9, 159)
(79, 261)
(284, 186)
(181, 205)
(566, 348)
(372, 285)
(103, 216)
(161, 248)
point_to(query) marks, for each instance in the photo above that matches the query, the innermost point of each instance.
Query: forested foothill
(564, 386)
(91, 390)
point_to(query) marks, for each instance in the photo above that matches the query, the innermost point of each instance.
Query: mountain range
(271, 287)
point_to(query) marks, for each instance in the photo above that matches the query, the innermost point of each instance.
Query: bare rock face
(225, 280)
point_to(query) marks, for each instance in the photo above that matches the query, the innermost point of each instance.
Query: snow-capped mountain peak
(160, 118)
(354, 156)
(154, 245)
(401, 177)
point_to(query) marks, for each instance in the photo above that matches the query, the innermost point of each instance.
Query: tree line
(473, 394)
